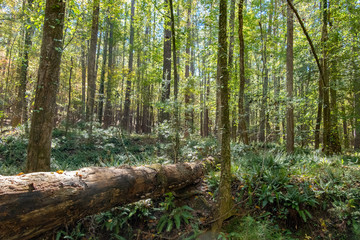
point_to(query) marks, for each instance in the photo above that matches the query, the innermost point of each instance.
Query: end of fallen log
(34, 203)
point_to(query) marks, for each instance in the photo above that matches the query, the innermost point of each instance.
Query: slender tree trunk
(225, 198)
(122, 91)
(319, 112)
(356, 86)
(176, 85)
(83, 80)
(5, 100)
(108, 114)
(21, 106)
(69, 98)
(91, 88)
(290, 82)
(206, 113)
(262, 135)
(247, 100)
(139, 95)
(127, 114)
(232, 69)
(326, 106)
(146, 123)
(102, 77)
(166, 77)
(39, 147)
(345, 129)
(276, 78)
(242, 123)
(188, 88)
(335, 144)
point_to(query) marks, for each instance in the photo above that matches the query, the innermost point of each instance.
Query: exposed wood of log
(35, 203)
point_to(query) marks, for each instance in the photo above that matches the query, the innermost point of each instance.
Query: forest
(186, 119)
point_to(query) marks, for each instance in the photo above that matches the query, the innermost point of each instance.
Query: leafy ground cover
(276, 196)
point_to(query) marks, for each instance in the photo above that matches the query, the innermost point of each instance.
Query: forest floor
(306, 195)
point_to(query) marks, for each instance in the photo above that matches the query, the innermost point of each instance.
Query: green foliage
(12, 153)
(75, 234)
(306, 184)
(268, 184)
(249, 228)
(213, 181)
(173, 216)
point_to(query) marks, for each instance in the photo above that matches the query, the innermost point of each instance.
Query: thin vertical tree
(42, 122)
(231, 64)
(265, 76)
(127, 115)
(176, 84)
(166, 76)
(322, 70)
(69, 97)
(108, 115)
(290, 81)
(102, 76)
(356, 88)
(242, 122)
(83, 78)
(21, 105)
(188, 88)
(91, 88)
(325, 70)
(146, 123)
(225, 199)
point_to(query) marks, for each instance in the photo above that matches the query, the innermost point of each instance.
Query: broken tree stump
(35, 203)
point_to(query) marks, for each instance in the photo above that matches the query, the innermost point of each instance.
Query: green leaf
(177, 221)
(169, 225)
(161, 223)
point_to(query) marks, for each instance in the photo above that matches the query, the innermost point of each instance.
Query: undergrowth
(306, 195)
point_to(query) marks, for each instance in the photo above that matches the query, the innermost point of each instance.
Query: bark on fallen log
(34, 203)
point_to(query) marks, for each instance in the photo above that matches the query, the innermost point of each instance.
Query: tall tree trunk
(322, 78)
(21, 105)
(166, 77)
(139, 93)
(232, 69)
(69, 98)
(290, 82)
(127, 114)
(5, 100)
(122, 91)
(102, 76)
(262, 135)
(188, 87)
(176, 85)
(39, 147)
(326, 106)
(345, 128)
(319, 112)
(242, 123)
(225, 199)
(146, 123)
(108, 115)
(335, 144)
(356, 86)
(276, 79)
(206, 113)
(91, 88)
(247, 99)
(83, 79)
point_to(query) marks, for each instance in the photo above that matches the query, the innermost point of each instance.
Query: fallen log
(35, 203)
